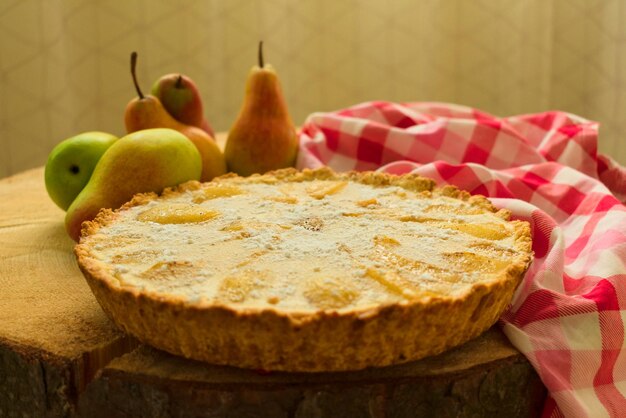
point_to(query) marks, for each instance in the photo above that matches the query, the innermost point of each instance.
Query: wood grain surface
(61, 356)
(53, 334)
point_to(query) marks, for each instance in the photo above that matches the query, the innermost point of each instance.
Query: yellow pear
(144, 161)
(263, 137)
(146, 111)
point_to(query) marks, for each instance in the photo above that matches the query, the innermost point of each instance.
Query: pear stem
(260, 54)
(133, 65)
(179, 81)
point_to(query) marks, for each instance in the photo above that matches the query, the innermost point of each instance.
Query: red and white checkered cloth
(568, 315)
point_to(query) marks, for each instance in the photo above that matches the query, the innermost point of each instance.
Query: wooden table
(61, 356)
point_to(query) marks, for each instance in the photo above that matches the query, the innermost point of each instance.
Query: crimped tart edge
(271, 339)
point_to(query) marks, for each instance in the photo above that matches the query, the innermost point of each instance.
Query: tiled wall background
(64, 65)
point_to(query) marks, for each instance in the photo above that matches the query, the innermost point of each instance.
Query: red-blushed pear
(145, 161)
(263, 137)
(181, 98)
(146, 111)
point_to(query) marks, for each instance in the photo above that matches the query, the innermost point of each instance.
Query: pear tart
(305, 270)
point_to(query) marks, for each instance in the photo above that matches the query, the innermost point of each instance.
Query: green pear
(144, 161)
(71, 163)
(263, 137)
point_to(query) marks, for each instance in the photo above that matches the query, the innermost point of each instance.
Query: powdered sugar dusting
(288, 246)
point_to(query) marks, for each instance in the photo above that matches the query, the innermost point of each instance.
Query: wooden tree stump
(53, 335)
(61, 356)
(485, 377)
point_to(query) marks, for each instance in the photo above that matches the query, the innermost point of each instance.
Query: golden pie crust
(305, 270)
